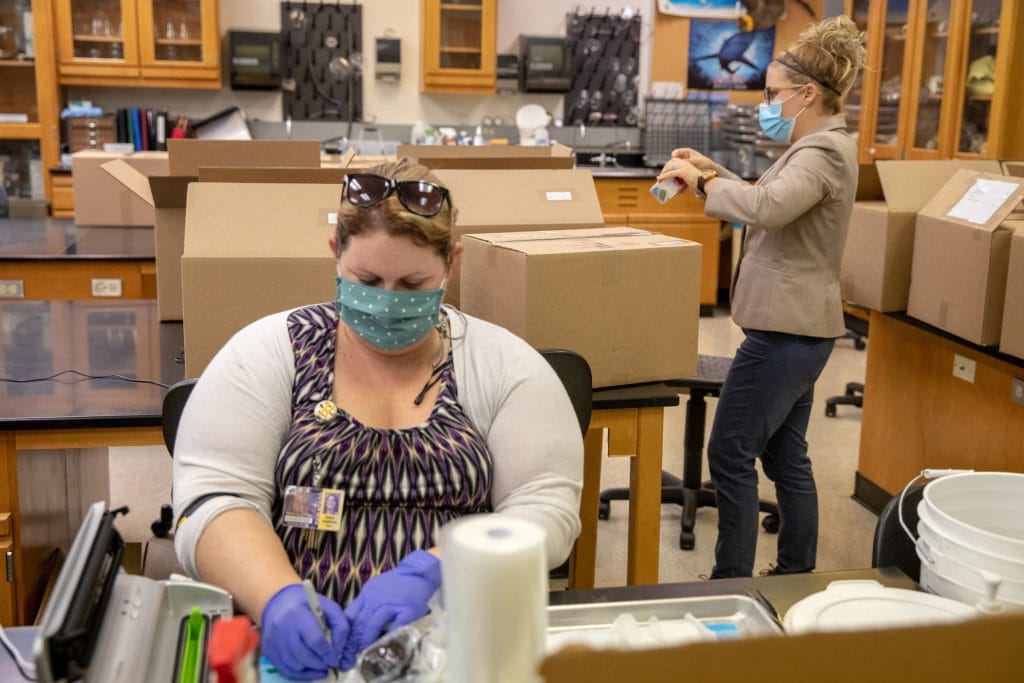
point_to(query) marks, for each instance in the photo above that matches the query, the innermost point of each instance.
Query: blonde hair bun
(833, 52)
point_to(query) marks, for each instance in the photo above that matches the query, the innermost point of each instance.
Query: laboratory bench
(54, 434)
(52, 258)
(918, 415)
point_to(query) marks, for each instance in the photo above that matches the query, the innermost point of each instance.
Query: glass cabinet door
(928, 79)
(98, 29)
(461, 34)
(979, 63)
(176, 32)
(883, 80)
(859, 14)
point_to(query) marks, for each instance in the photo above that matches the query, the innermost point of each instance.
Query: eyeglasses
(421, 198)
(770, 93)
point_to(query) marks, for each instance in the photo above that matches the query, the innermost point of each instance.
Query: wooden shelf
(461, 50)
(25, 63)
(986, 31)
(980, 98)
(451, 7)
(20, 131)
(90, 38)
(178, 41)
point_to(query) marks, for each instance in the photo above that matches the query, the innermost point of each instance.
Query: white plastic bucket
(947, 573)
(966, 552)
(985, 509)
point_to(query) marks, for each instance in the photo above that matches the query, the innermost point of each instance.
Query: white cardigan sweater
(238, 415)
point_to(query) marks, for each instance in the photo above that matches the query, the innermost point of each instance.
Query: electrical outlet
(1017, 390)
(102, 286)
(12, 289)
(964, 367)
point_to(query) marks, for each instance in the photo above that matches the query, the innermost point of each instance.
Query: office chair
(690, 492)
(173, 405)
(574, 371)
(857, 330)
(891, 547)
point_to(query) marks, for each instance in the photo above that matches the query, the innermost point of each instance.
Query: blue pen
(314, 604)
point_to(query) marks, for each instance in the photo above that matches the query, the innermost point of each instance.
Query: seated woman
(408, 414)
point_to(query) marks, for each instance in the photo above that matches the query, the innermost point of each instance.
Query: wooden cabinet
(628, 201)
(151, 43)
(63, 203)
(28, 87)
(459, 46)
(938, 79)
(68, 280)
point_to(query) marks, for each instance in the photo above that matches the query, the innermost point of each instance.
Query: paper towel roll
(494, 577)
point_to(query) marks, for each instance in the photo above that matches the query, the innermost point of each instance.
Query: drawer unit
(63, 205)
(90, 132)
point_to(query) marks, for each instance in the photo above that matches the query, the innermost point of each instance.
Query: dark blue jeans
(763, 412)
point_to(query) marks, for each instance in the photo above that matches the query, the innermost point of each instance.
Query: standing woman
(785, 293)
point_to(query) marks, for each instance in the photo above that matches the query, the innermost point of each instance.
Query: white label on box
(982, 201)
(559, 196)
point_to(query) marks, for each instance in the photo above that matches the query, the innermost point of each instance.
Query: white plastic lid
(860, 605)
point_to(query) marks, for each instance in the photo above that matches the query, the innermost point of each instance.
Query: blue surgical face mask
(772, 123)
(391, 320)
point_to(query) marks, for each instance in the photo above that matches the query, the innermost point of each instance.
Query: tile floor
(140, 478)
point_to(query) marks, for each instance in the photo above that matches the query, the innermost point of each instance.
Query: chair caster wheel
(770, 523)
(830, 411)
(604, 509)
(686, 540)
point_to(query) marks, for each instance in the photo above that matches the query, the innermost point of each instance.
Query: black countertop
(41, 338)
(59, 239)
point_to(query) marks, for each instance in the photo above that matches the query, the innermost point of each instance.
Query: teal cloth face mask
(391, 320)
(772, 123)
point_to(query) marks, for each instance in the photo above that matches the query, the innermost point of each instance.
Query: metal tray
(727, 616)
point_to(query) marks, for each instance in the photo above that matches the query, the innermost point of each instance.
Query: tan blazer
(796, 216)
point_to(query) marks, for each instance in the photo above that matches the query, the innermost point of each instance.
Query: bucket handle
(927, 473)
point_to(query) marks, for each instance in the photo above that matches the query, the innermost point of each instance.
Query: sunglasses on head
(368, 189)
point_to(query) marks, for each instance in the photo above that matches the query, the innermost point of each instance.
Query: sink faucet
(604, 159)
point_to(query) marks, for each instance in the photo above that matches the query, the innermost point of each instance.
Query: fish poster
(724, 58)
(723, 9)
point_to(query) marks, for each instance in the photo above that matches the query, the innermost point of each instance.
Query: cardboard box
(167, 193)
(961, 255)
(503, 201)
(1011, 339)
(507, 157)
(101, 199)
(627, 300)
(987, 648)
(875, 270)
(252, 250)
(1013, 168)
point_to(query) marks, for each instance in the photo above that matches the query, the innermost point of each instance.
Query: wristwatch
(703, 178)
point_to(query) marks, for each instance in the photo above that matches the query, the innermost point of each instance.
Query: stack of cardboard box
(922, 250)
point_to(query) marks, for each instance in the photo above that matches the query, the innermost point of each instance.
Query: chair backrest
(891, 546)
(174, 404)
(574, 371)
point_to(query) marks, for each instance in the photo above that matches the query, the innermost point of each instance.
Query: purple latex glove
(390, 600)
(291, 636)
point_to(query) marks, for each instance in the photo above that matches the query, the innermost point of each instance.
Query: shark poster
(724, 58)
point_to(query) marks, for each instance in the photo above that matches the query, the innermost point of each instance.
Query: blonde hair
(393, 218)
(830, 53)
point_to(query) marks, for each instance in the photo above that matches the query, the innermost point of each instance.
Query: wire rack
(671, 124)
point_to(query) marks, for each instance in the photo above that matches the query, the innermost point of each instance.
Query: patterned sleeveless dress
(401, 485)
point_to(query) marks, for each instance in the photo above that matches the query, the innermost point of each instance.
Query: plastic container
(985, 509)
(946, 568)
(967, 552)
